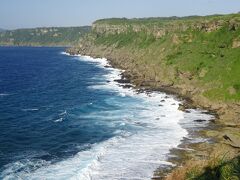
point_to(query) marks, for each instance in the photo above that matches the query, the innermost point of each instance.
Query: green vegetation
(219, 167)
(219, 170)
(53, 36)
(197, 57)
(164, 21)
(142, 39)
(211, 59)
(205, 48)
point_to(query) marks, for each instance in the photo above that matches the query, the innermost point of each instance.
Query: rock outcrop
(155, 63)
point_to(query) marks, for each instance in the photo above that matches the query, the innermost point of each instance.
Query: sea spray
(146, 126)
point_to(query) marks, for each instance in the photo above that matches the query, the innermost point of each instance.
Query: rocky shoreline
(216, 131)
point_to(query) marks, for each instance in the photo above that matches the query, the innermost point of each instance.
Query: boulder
(232, 139)
(236, 43)
(181, 107)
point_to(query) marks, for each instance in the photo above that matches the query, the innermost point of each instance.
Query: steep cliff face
(197, 57)
(162, 26)
(52, 36)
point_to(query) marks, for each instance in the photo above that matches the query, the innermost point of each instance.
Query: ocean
(64, 117)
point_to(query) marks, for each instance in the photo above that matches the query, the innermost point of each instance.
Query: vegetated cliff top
(199, 57)
(161, 26)
(44, 36)
(201, 51)
(166, 20)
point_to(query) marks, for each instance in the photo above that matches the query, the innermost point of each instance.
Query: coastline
(187, 149)
(124, 83)
(135, 145)
(32, 45)
(226, 113)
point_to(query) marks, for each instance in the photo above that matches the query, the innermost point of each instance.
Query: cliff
(52, 36)
(195, 57)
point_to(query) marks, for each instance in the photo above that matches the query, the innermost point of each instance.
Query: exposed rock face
(165, 78)
(117, 29)
(113, 29)
(52, 36)
(155, 74)
(175, 39)
(236, 43)
(144, 76)
(210, 26)
(159, 31)
(147, 74)
(232, 139)
(182, 108)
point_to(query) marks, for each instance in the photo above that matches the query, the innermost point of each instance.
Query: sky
(47, 13)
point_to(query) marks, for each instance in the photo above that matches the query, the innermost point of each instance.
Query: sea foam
(152, 122)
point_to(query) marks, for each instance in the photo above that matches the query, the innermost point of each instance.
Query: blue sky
(37, 13)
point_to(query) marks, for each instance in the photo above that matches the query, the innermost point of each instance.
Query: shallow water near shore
(64, 117)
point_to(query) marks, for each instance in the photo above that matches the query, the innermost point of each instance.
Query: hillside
(195, 57)
(52, 36)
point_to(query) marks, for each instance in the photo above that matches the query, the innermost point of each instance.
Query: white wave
(30, 109)
(101, 62)
(122, 157)
(58, 120)
(4, 94)
(131, 154)
(63, 113)
(65, 53)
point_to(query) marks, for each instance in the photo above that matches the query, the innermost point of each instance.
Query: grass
(213, 52)
(188, 54)
(44, 36)
(160, 21)
(207, 56)
(218, 168)
(142, 39)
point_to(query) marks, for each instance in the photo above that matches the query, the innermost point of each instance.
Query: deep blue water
(38, 87)
(64, 117)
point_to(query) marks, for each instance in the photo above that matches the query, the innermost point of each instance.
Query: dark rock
(123, 81)
(107, 66)
(200, 120)
(182, 108)
(162, 100)
(127, 86)
(140, 91)
(227, 138)
(212, 121)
